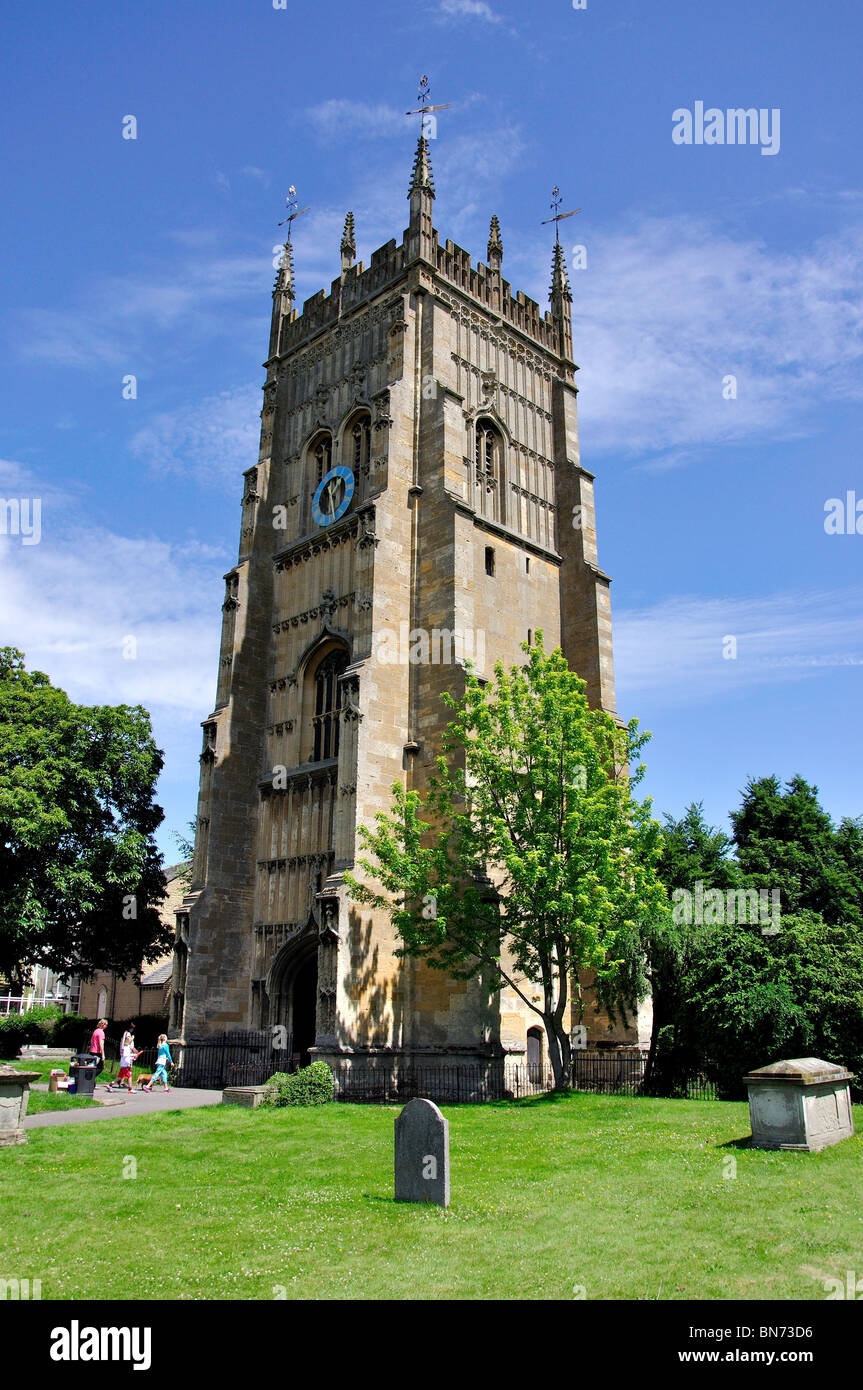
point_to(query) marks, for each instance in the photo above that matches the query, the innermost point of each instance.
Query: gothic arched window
(327, 705)
(488, 459)
(357, 449)
(321, 453)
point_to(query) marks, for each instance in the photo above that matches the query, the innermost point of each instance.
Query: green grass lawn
(39, 1101)
(625, 1198)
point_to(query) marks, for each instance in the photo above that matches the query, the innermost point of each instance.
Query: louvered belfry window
(489, 470)
(328, 698)
(323, 456)
(360, 442)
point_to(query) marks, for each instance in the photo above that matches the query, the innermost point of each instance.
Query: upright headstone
(422, 1154)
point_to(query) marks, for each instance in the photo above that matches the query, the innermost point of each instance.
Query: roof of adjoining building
(160, 976)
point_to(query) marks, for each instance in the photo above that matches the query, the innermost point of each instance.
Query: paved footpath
(117, 1105)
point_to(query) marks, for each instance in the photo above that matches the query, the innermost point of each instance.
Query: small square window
(489, 559)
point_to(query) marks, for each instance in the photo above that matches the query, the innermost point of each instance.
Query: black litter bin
(84, 1066)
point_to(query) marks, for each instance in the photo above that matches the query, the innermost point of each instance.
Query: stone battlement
(453, 264)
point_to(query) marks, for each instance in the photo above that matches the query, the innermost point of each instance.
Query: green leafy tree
(750, 999)
(785, 839)
(186, 846)
(80, 872)
(656, 952)
(529, 853)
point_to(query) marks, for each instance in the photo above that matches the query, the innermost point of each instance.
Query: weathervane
(424, 107)
(556, 201)
(291, 205)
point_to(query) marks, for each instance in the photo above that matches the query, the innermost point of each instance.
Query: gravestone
(422, 1154)
(803, 1103)
(249, 1096)
(14, 1094)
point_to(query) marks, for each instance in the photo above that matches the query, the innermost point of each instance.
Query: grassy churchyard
(40, 1101)
(615, 1197)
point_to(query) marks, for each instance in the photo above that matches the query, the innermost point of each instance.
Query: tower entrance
(293, 992)
(304, 1010)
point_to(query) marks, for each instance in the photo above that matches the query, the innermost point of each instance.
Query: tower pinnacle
(285, 275)
(559, 290)
(349, 245)
(495, 245)
(561, 302)
(421, 176)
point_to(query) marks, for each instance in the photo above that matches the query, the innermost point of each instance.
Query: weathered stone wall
(428, 345)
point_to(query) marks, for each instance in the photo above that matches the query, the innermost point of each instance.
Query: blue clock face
(332, 496)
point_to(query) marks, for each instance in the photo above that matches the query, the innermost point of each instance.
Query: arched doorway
(534, 1055)
(304, 1009)
(293, 992)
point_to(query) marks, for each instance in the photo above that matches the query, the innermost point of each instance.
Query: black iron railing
(470, 1083)
(249, 1058)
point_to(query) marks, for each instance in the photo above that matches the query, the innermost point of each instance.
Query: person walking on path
(97, 1046)
(164, 1060)
(127, 1057)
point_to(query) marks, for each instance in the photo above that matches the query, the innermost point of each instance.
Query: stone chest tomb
(802, 1103)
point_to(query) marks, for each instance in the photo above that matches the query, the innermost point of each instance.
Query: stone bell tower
(411, 508)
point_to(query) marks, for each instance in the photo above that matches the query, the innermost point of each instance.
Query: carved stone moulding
(311, 546)
(326, 611)
(278, 929)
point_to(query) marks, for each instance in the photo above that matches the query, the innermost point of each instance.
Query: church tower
(418, 501)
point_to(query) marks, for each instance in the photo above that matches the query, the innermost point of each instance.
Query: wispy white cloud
(212, 441)
(72, 601)
(678, 647)
(112, 321)
(468, 9)
(665, 311)
(470, 173)
(339, 116)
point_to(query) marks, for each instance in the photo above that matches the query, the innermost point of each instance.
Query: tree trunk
(650, 1065)
(559, 1052)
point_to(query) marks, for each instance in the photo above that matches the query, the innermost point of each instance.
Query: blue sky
(154, 257)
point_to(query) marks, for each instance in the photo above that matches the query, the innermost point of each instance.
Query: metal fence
(248, 1058)
(471, 1083)
(609, 1073)
(242, 1058)
(623, 1074)
(604, 1073)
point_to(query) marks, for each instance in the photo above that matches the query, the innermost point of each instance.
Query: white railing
(20, 1003)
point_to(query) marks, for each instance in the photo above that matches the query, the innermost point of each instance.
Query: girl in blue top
(164, 1060)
